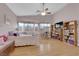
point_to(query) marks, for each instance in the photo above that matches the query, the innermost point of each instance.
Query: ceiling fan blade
(46, 9)
(48, 12)
(38, 11)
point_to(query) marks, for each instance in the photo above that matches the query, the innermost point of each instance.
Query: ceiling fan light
(43, 13)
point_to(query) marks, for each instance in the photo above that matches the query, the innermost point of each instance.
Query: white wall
(35, 19)
(4, 10)
(69, 12)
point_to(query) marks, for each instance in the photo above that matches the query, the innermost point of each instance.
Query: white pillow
(1, 41)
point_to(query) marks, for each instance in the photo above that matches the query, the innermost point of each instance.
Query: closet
(65, 31)
(70, 32)
(57, 31)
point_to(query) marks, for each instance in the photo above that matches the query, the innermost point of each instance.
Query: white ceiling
(24, 9)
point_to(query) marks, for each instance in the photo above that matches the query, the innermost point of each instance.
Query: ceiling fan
(44, 11)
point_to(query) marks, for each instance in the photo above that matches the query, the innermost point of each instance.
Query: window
(44, 26)
(36, 27)
(21, 26)
(25, 26)
(32, 27)
(28, 26)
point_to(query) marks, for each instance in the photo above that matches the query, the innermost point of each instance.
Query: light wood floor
(49, 47)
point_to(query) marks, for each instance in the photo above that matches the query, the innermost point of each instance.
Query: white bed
(26, 40)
